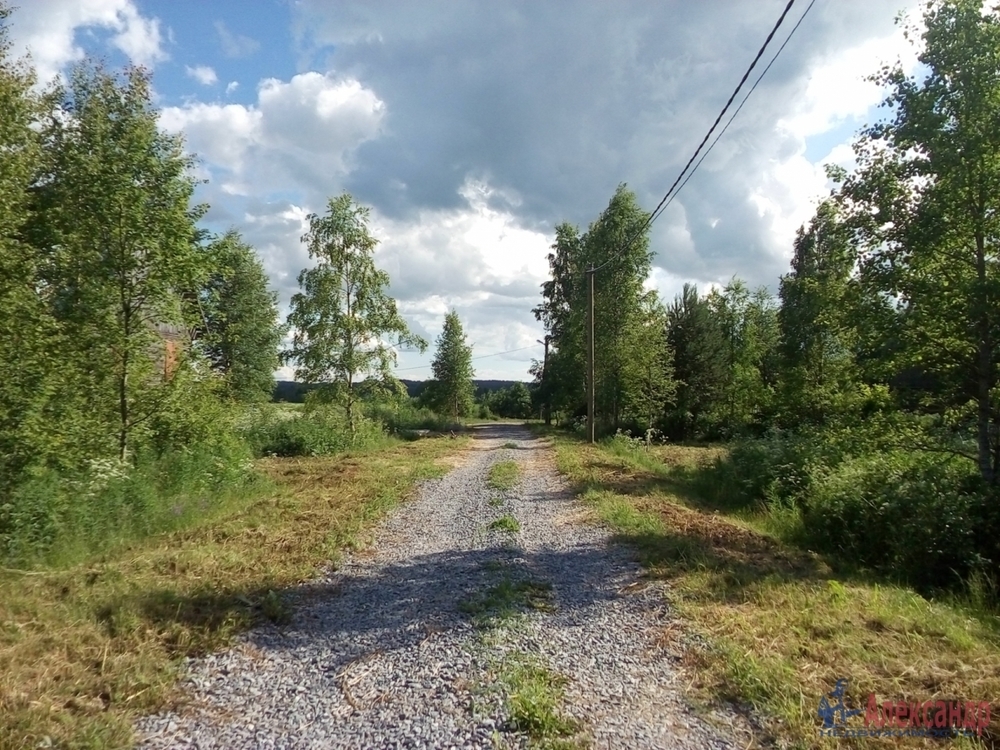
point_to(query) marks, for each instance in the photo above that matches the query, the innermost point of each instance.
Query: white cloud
(315, 112)
(484, 250)
(838, 92)
(235, 45)
(219, 133)
(203, 74)
(614, 95)
(46, 29)
(233, 85)
(838, 88)
(299, 134)
(139, 37)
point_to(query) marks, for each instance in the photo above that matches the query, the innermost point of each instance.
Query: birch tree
(343, 320)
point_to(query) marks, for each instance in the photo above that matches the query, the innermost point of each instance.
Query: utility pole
(590, 355)
(546, 406)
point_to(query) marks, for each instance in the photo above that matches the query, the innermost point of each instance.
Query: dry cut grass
(781, 626)
(84, 650)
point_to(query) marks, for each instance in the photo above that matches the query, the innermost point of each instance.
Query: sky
(471, 128)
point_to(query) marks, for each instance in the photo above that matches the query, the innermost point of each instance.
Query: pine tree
(453, 391)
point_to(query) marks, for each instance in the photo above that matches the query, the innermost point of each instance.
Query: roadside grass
(86, 648)
(507, 523)
(503, 475)
(781, 626)
(510, 444)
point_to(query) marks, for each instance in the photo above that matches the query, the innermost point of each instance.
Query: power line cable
(656, 213)
(481, 356)
(732, 97)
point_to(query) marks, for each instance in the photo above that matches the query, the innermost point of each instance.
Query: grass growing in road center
(503, 475)
(534, 696)
(532, 693)
(507, 598)
(507, 523)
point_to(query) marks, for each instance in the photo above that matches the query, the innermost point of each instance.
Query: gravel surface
(381, 652)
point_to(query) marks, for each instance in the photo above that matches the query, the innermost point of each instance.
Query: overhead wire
(481, 356)
(684, 176)
(656, 213)
(667, 198)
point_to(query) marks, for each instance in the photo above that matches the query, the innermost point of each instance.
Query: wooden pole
(590, 356)
(546, 406)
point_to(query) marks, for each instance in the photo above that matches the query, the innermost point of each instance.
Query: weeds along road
(487, 613)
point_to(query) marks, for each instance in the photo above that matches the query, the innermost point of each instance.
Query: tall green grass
(58, 518)
(407, 416)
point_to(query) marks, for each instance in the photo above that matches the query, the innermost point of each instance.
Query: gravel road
(382, 653)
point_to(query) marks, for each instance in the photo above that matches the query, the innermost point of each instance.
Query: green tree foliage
(342, 314)
(924, 201)
(29, 372)
(239, 330)
(561, 314)
(818, 321)
(699, 346)
(623, 311)
(649, 383)
(452, 392)
(749, 322)
(513, 402)
(116, 230)
(619, 313)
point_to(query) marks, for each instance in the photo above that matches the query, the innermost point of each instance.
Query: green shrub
(912, 514)
(315, 431)
(783, 466)
(188, 460)
(778, 468)
(852, 491)
(408, 416)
